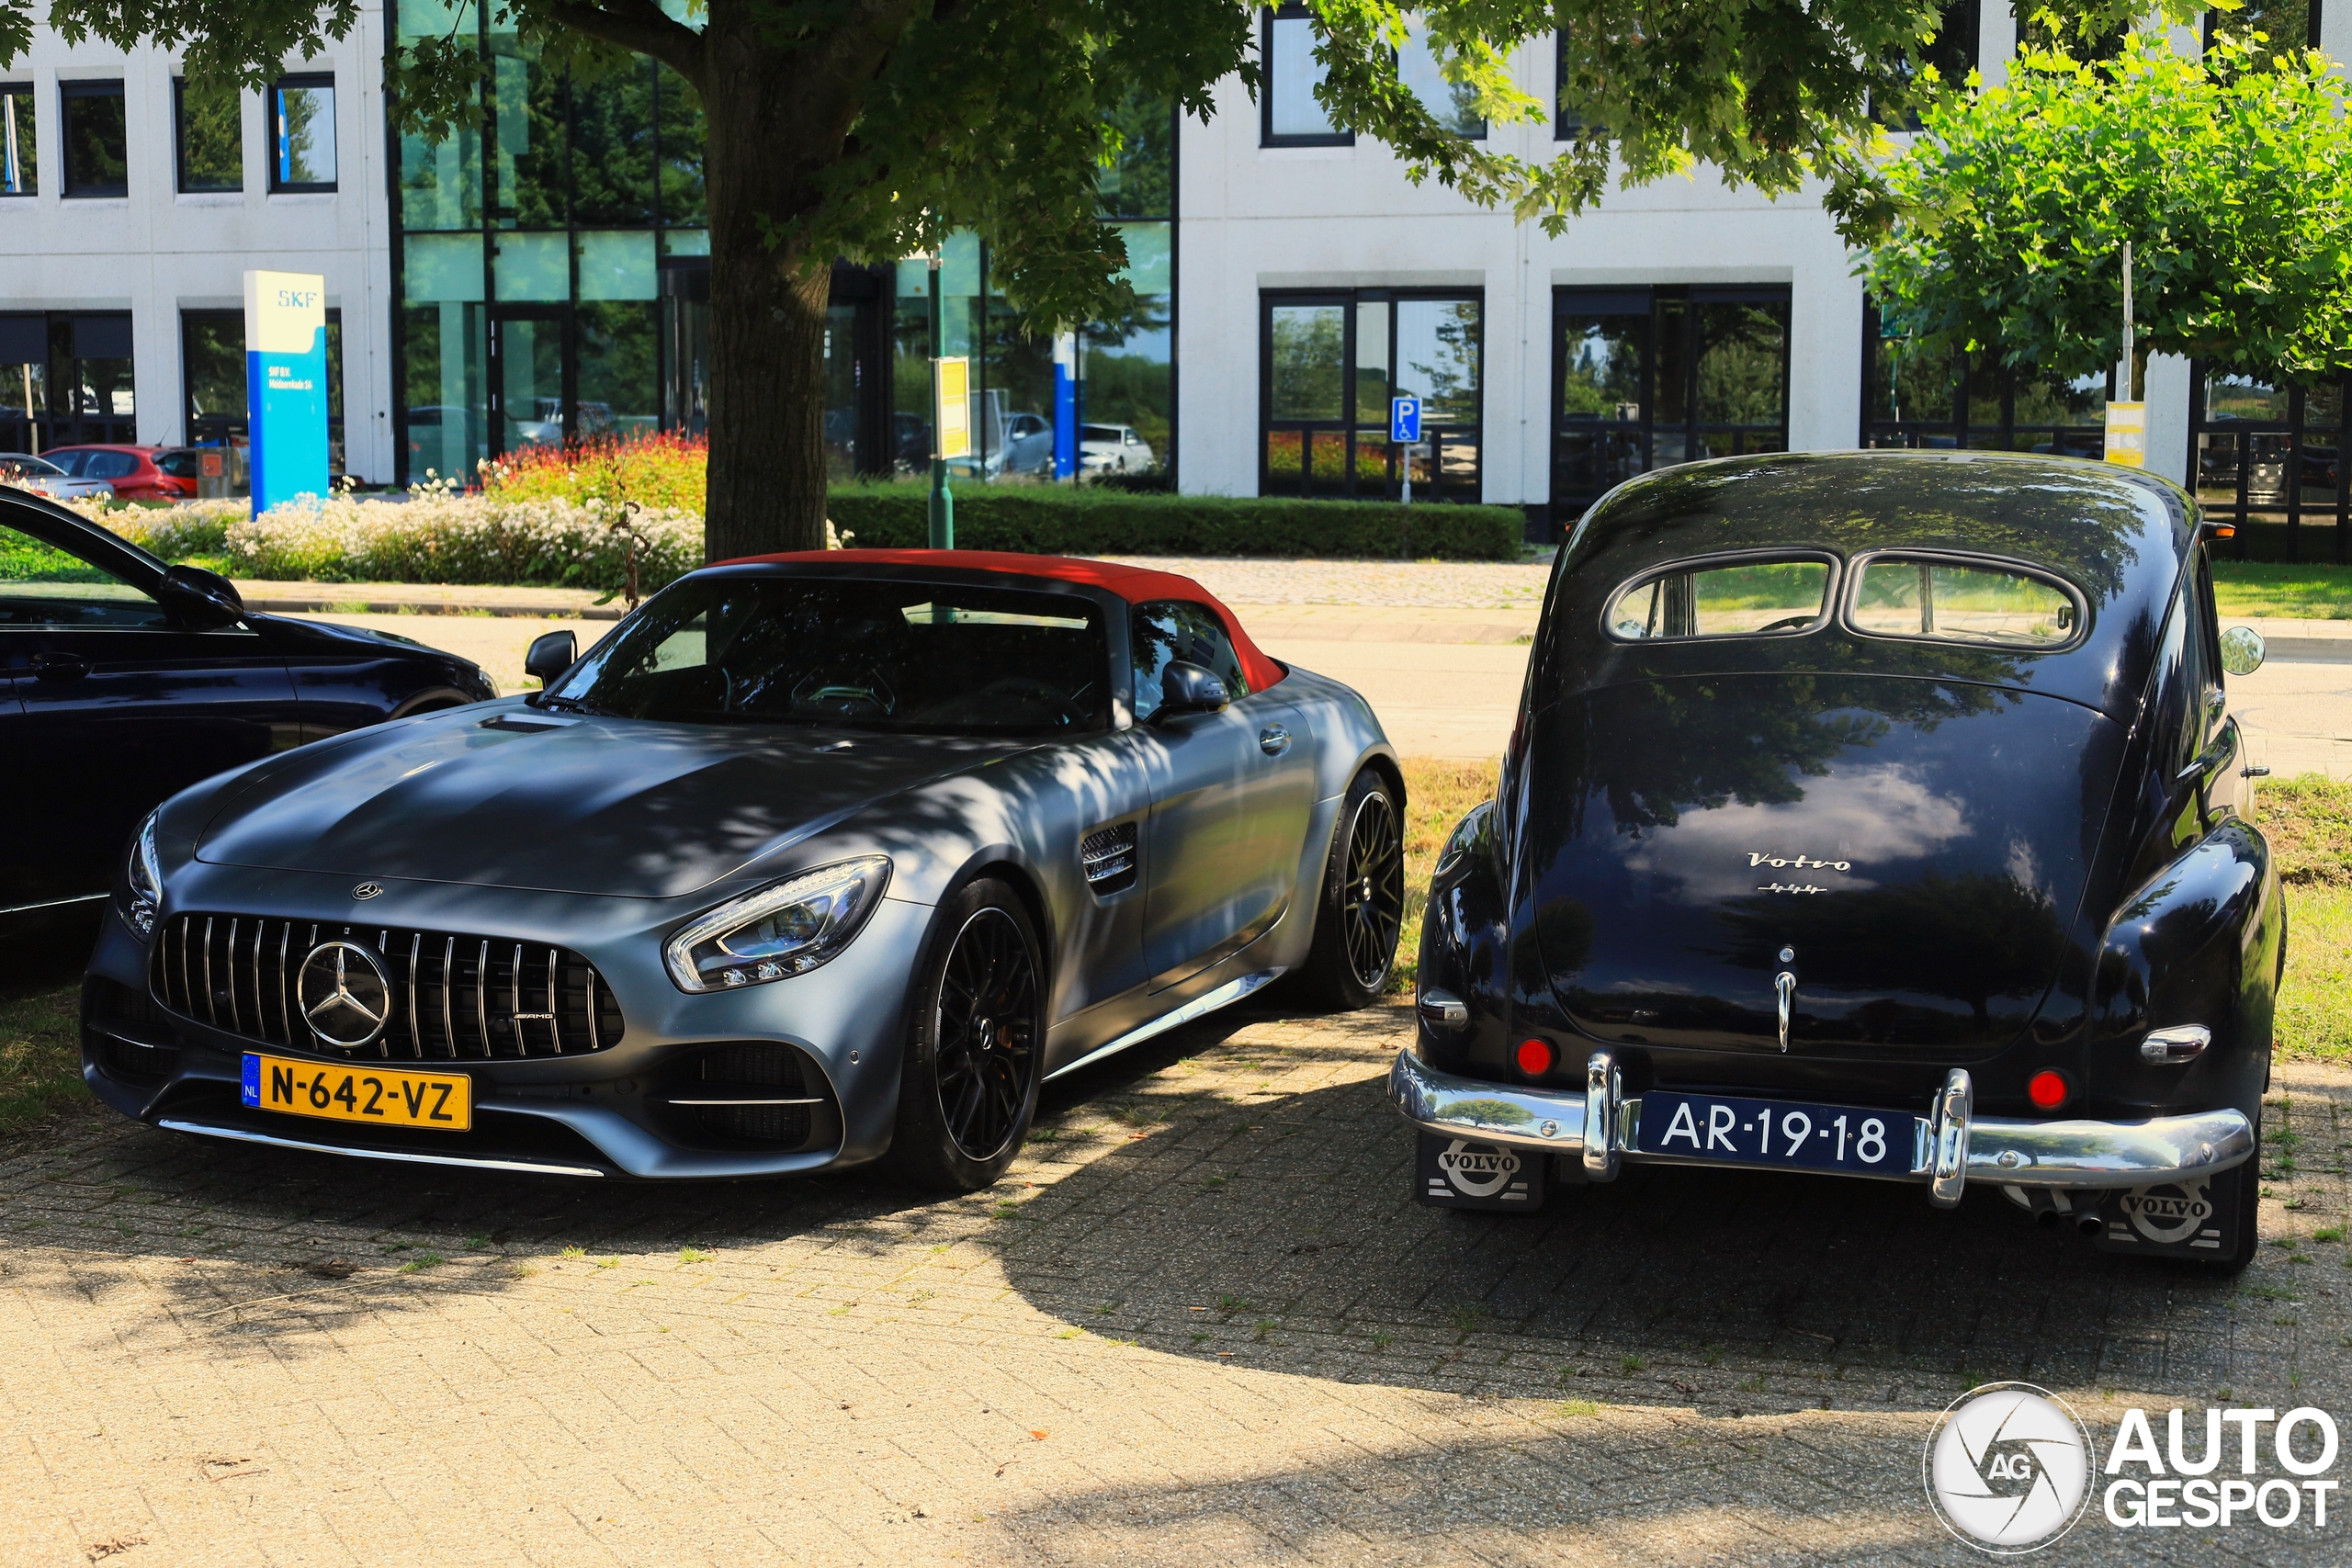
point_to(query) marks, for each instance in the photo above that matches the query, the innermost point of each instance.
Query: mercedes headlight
(144, 876)
(779, 931)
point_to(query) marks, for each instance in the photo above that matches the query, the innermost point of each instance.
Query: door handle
(60, 666)
(1273, 740)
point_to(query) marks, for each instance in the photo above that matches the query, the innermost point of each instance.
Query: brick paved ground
(1200, 1322)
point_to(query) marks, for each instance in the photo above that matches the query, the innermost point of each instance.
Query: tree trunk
(777, 119)
(768, 314)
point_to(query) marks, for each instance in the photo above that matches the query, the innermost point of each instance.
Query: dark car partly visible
(1878, 815)
(123, 681)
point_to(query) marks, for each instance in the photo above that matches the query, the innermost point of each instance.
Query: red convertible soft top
(1136, 584)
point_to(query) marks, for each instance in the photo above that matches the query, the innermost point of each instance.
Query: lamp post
(943, 500)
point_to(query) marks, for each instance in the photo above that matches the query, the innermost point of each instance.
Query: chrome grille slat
(231, 968)
(448, 983)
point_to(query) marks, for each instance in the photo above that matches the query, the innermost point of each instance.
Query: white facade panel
(156, 251)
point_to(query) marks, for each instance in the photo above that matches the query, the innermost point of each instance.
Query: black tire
(976, 1043)
(1361, 906)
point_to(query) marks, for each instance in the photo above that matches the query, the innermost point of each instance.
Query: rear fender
(1465, 946)
(2197, 942)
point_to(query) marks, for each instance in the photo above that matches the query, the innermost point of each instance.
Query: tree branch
(637, 25)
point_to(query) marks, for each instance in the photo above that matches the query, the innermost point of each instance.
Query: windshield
(902, 656)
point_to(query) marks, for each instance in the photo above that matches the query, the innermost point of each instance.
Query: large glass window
(2285, 25)
(1911, 398)
(2269, 457)
(19, 147)
(95, 139)
(65, 377)
(208, 138)
(551, 280)
(302, 128)
(1332, 361)
(1453, 106)
(1953, 51)
(1290, 114)
(1649, 378)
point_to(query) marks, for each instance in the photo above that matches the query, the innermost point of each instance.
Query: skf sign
(285, 385)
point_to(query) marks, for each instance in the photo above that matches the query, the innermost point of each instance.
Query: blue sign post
(1405, 432)
(285, 385)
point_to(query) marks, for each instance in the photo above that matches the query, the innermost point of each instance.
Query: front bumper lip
(1955, 1147)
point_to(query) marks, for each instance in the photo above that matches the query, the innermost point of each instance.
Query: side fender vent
(1108, 856)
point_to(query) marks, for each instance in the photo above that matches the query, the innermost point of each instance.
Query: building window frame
(279, 183)
(181, 181)
(20, 149)
(1267, 135)
(1953, 426)
(2252, 498)
(1645, 428)
(1431, 482)
(75, 185)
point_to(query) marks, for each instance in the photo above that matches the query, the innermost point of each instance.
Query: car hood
(1918, 847)
(515, 798)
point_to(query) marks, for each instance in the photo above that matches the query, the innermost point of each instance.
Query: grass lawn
(2257, 590)
(40, 1060)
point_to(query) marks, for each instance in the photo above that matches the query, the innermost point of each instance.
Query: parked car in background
(1112, 449)
(1874, 815)
(123, 681)
(1028, 446)
(814, 859)
(134, 472)
(42, 477)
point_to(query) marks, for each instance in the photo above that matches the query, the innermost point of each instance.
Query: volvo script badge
(367, 890)
(345, 994)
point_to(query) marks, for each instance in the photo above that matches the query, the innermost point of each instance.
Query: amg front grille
(451, 997)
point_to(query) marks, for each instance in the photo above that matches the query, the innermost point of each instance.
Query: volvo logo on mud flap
(2167, 1214)
(1478, 1170)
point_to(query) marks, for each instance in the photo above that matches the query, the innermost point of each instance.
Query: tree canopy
(2231, 177)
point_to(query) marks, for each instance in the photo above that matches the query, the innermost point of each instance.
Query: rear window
(1743, 598)
(1957, 601)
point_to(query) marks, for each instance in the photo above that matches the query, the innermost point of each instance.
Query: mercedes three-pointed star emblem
(346, 995)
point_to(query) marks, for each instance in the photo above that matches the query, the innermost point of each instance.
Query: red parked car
(137, 473)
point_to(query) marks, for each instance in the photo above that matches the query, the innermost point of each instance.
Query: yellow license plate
(385, 1095)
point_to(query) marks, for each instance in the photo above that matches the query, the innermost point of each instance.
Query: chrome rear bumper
(1955, 1146)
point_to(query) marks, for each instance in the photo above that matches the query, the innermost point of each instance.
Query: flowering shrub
(172, 533)
(654, 470)
(462, 539)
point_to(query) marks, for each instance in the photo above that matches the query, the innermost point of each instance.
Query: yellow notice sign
(2127, 434)
(951, 381)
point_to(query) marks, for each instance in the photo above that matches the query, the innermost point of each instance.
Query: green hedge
(1087, 520)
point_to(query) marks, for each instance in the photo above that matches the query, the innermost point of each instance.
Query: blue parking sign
(1405, 420)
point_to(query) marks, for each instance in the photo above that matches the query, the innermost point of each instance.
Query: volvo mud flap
(1456, 1173)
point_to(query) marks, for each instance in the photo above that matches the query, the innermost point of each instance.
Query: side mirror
(205, 600)
(1188, 688)
(2242, 650)
(550, 656)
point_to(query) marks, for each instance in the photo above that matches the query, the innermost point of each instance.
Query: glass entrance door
(531, 402)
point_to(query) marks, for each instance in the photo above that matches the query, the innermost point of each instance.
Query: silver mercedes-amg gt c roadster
(814, 859)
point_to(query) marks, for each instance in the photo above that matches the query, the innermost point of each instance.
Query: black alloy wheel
(1362, 907)
(976, 1034)
(1371, 890)
(987, 1034)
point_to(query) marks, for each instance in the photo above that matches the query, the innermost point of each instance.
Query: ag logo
(2169, 1213)
(345, 994)
(2007, 1468)
(1478, 1170)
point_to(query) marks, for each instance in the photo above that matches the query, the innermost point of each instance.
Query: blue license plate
(1777, 1132)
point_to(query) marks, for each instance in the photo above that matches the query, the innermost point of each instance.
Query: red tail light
(2047, 1089)
(1536, 1057)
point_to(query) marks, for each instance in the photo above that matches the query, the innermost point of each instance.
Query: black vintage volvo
(1877, 814)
